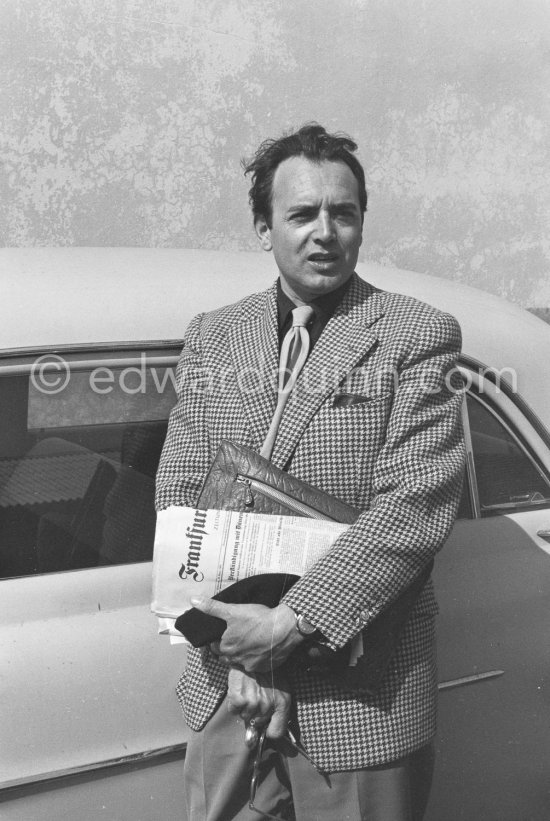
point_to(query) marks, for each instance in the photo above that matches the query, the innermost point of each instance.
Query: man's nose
(325, 227)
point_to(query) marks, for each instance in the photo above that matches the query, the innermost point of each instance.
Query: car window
(78, 458)
(506, 476)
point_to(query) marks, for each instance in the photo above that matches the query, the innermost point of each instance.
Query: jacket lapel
(254, 351)
(346, 341)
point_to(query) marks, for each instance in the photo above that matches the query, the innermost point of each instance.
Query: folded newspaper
(199, 552)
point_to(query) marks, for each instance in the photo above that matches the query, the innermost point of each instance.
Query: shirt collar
(324, 305)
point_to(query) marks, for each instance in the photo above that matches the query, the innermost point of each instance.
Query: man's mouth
(323, 257)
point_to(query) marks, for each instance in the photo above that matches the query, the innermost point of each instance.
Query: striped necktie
(294, 351)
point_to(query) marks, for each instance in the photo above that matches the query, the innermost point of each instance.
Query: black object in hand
(266, 588)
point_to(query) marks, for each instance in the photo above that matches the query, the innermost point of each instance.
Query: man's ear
(263, 233)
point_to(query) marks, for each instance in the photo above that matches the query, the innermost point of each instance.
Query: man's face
(316, 226)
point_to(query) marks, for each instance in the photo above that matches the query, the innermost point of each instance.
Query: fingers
(216, 650)
(212, 607)
(281, 715)
(282, 703)
(278, 724)
(250, 637)
(224, 658)
(259, 702)
(250, 706)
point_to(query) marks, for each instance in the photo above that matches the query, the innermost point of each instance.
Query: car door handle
(544, 534)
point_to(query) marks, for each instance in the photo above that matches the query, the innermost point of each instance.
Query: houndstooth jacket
(394, 450)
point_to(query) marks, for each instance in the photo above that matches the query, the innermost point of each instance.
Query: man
(374, 418)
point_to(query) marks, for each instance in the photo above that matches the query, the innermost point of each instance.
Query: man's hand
(257, 638)
(264, 697)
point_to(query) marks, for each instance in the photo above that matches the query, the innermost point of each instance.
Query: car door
(493, 586)
(90, 723)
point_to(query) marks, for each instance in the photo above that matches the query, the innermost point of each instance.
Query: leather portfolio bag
(240, 479)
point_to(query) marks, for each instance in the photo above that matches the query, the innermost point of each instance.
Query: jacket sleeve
(417, 484)
(185, 455)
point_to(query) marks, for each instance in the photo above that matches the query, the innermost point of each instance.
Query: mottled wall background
(123, 122)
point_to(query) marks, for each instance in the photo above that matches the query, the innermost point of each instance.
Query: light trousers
(218, 770)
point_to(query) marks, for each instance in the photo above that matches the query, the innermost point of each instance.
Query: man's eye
(345, 216)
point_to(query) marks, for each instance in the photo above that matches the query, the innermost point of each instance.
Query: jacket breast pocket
(343, 399)
(339, 449)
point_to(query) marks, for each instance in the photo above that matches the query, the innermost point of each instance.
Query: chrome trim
(85, 364)
(527, 504)
(461, 682)
(82, 347)
(470, 464)
(45, 780)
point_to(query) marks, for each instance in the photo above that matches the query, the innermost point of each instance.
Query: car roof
(65, 296)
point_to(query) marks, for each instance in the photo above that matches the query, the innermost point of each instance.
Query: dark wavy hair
(311, 141)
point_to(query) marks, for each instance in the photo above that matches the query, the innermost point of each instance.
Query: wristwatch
(304, 627)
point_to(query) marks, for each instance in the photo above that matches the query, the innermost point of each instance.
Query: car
(91, 729)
